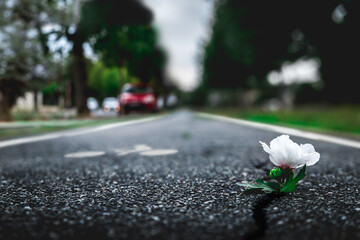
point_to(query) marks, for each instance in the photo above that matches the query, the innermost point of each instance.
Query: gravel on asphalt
(188, 195)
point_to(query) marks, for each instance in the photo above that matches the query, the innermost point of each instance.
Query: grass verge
(340, 120)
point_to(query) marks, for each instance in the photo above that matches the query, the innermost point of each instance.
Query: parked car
(111, 104)
(92, 104)
(137, 97)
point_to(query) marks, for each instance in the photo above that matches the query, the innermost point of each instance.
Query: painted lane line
(109, 126)
(159, 152)
(44, 137)
(84, 154)
(27, 140)
(137, 148)
(284, 130)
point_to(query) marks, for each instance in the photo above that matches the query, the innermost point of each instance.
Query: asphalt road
(171, 178)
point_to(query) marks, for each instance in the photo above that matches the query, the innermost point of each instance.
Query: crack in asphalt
(259, 215)
(189, 195)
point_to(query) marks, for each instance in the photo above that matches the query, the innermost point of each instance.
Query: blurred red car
(137, 97)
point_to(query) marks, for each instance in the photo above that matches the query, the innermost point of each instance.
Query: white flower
(284, 153)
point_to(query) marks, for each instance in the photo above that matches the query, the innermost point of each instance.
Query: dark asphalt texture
(188, 195)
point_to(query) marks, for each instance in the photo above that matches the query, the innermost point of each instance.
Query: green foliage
(314, 118)
(96, 77)
(25, 63)
(275, 173)
(98, 20)
(104, 81)
(281, 176)
(28, 51)
(112, 82)
(238, 48)
(248, 40)
(50, 88)
(105, 18)
(134, 47)
(125, 44)
(266, 187)
(290, 184)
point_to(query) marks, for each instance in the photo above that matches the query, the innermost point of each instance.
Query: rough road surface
(54, 189)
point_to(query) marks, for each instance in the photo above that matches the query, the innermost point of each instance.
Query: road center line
(135, 149)
(109, 126)
(159, 152)
(284, 130)
(84, 154)
(49, 136)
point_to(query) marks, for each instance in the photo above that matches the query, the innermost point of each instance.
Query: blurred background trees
(136, 48)
(43, 46)
(256, 52)
(25, 62)
(99, 18)
(253, 44)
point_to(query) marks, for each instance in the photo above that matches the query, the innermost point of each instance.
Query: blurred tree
(80, 22)
(136, 48)
(250, 38)
(99, 17)
(112, 79)
(96, 80)
(104, 82)
(127, 45)
(25, 62)
(331, 27)
(247, 40)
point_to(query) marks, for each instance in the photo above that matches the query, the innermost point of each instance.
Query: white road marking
(159, 152)
(137, 148)
(27, 140)
(19, 141)
(113, 125)
(84, 154)
(285, 130)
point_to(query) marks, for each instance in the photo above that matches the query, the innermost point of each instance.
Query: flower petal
(309, 155)
(307, 148)
(270, 152)
(293, 153)
(265, 147)
(275, 160)
(311, 159)
(285, 153)
(278, 147)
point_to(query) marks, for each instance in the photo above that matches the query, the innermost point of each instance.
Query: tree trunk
(36, 101)
(68, 95)
(80, 77)
(165, 100)
(5, 107)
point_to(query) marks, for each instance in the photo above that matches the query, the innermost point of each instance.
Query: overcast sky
(182, 26)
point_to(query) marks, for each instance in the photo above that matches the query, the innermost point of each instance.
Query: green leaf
(266, 187)
(269, 186)
(250, 185)
(290, 184)
(301, 174)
